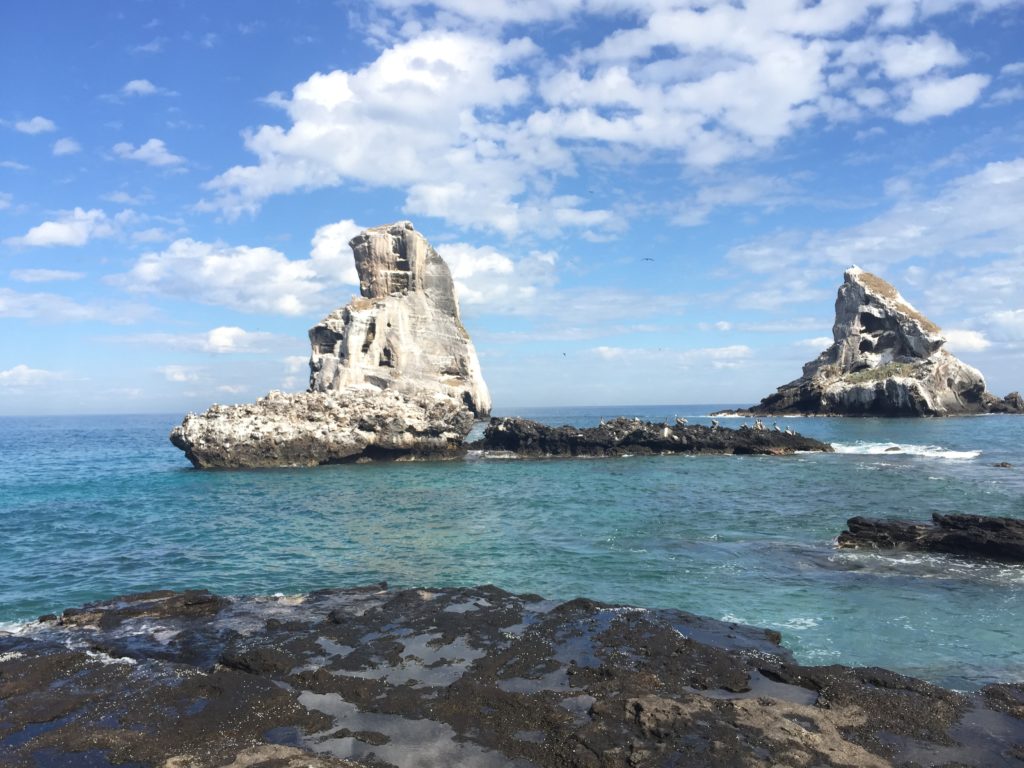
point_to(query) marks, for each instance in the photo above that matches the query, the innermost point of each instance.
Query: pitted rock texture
(622, 436)
(887, 359)
(472, 677)
(393, 374)
(404, 332)
(312, 428)
(997, 538)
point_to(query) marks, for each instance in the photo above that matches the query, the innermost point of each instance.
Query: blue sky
(643, 201)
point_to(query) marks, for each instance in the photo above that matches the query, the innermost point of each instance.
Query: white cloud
(156, 45)
(23, 376)
(463, 163)
(44, 275)
(1015, 69)
(36, 125)
(487, 278)
(5, 200)
(151, 235)
(232, 389)
(972, 215)
(965, 341)
(66, 146)
(903, 57)
(818, 342)
(71, 228)
(179, 373)
(730, 356)
(331, 255)
(139, 88)
(13, 165)
(240, 277)
(153, 152)
(222, 340)
(940, 97)
(54, 308)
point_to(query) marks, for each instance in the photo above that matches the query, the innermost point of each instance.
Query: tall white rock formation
(886, 359)
(404, 332)
(393, 374)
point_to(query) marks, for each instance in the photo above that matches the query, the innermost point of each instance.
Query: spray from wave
(905, 449)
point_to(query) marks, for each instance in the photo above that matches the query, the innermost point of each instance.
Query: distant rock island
(887, 360)
(393, 374)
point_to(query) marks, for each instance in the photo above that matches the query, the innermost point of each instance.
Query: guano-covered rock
(393, 374)
(887, 359)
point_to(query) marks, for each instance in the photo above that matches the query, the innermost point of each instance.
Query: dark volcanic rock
(468, 677)
(1000, 538)
(632, 436)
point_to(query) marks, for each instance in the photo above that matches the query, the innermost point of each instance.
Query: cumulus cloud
(152, 152)
(179, 373)
(959, 340)
(331, 255)
(487, 278)
(36, 125)
(243, 278)
(22, 376)
(66, 146)
(462, 163)
(44, 275)
(5, 200)
(818, 342)
(705, 84)
(71, 228)
(942, 96)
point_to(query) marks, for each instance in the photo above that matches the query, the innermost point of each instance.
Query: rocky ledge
(471, 677)
(622, 436)
(393, 374)
(313, 428)
(887, 359)
(999, 538)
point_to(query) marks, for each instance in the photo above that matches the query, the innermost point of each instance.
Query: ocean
(95, 506)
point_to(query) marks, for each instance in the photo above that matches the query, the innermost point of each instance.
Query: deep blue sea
(91, 507)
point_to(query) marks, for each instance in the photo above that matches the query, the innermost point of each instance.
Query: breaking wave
(904, 449)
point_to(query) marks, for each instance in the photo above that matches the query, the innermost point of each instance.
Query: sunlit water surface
(91, 507)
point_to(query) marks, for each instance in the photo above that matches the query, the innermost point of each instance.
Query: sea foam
(907, 449)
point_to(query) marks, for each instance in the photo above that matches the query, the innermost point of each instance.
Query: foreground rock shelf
(467, 677)
(997, 538)
(618, 437)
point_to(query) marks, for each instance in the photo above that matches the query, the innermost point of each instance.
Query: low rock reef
(392, 375)
(473, 677)
(619, 437)
(887, 359)
(997, 538)
(314, 428)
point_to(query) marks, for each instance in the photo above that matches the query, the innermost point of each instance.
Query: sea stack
(392, 375)
(887, 359)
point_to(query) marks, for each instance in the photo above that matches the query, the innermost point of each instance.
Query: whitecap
(865, 448)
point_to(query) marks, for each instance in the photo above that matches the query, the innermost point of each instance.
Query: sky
(642, 201)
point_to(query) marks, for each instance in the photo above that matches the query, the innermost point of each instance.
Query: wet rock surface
(621, 436)
(997, 538)
(887, 359)
(461, 676)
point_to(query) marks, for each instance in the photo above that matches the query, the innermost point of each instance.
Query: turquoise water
(91, 507)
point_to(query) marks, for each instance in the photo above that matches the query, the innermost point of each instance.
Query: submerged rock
(999, 538)
(393, 374)
(459, 676)
(632, 436)
(887, 359)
